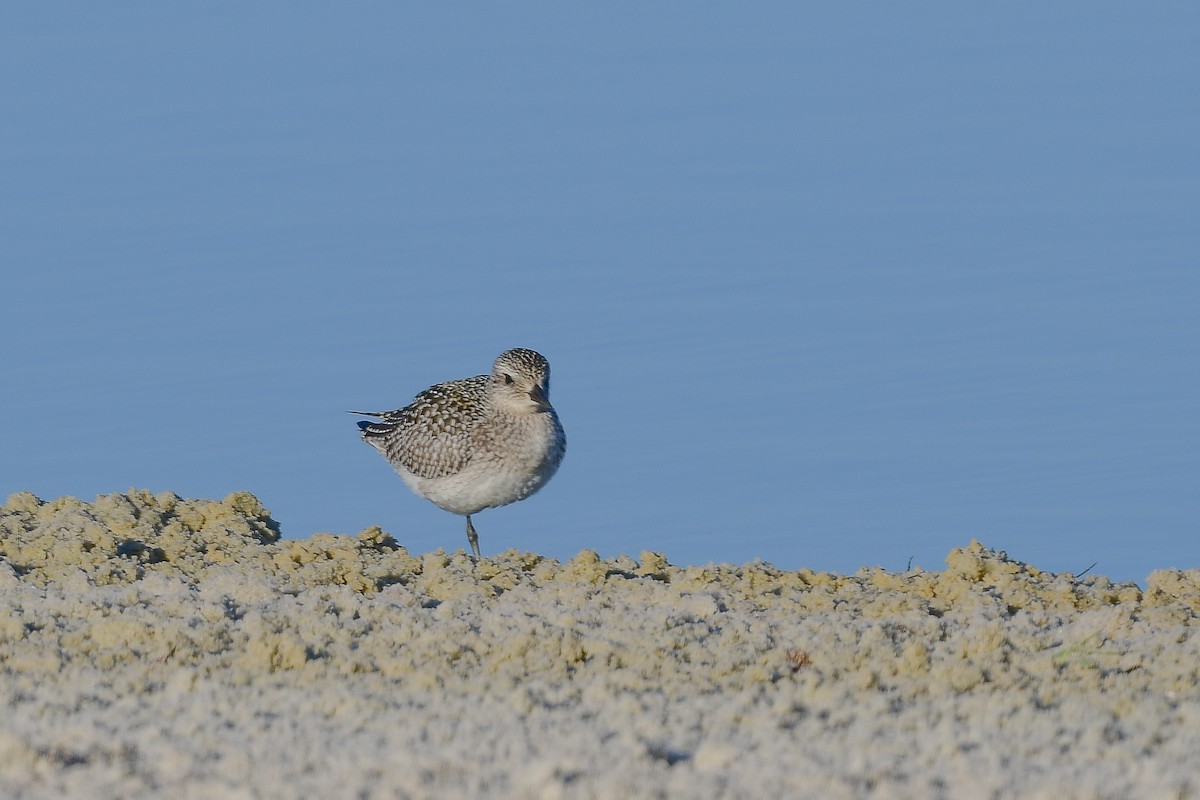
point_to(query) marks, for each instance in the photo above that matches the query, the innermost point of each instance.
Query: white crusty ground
(155, 646)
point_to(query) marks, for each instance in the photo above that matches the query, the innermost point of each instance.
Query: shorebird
(475, 443)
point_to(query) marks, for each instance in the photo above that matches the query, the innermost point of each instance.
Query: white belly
(528, 462)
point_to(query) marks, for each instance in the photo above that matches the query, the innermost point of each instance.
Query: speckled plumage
(475, 443)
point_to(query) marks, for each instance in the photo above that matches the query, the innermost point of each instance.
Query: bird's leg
(473, 538)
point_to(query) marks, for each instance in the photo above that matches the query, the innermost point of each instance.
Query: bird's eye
(508, 379)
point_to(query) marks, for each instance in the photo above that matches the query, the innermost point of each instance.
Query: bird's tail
(372, 429)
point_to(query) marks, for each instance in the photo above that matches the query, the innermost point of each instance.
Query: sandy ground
(155, 646)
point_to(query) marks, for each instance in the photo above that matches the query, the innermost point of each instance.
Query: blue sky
(824, 284)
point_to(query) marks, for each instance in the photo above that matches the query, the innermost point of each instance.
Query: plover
(475, 443)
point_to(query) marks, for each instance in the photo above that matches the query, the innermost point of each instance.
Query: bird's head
(521, 381)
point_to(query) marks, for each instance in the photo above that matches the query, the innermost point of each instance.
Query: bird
(475, 443)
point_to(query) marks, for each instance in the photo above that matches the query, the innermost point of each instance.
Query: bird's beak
(538, 396)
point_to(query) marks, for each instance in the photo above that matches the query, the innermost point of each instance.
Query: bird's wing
(430, 437)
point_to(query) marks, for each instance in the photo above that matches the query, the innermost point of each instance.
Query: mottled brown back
(431, 437)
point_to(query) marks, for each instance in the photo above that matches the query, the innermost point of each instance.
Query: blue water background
(826, 285)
